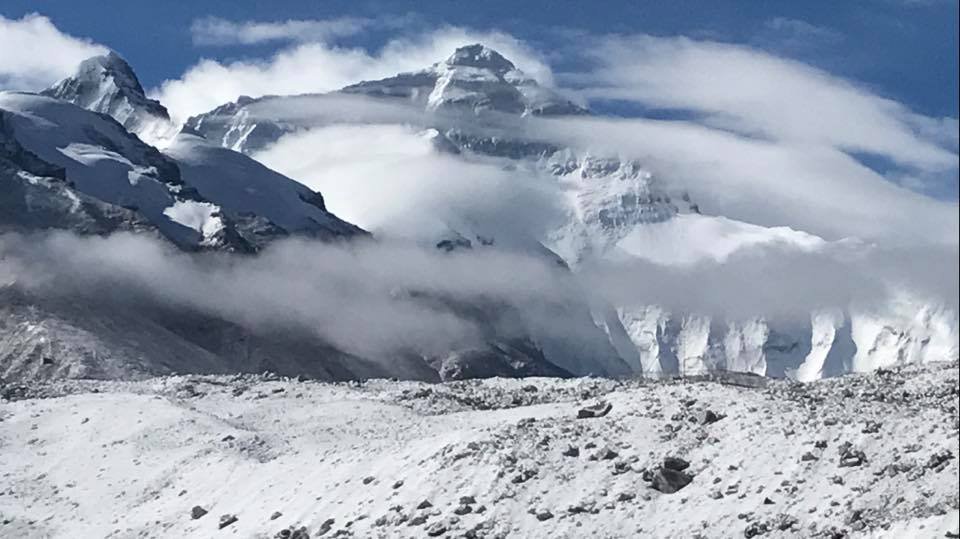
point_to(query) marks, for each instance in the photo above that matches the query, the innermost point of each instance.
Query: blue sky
(903, 49)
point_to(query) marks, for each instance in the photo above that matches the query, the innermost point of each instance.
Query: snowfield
(870, 455)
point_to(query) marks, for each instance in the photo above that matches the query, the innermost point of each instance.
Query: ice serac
(832, 342)
(107, 84)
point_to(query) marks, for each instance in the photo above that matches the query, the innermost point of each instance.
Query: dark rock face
(197, 512)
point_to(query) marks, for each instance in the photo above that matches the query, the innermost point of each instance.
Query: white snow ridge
(530, 319)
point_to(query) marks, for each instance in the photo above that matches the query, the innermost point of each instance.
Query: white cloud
(808, 187)
(749, 91)
(217, 31)
(357, 297)
(318, 67)
(35, 54)
(389, 179)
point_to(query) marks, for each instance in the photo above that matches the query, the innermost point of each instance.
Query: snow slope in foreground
(492, 458)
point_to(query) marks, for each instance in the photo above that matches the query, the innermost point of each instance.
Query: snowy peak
(474, 78)
(480, 57)
(107, 84)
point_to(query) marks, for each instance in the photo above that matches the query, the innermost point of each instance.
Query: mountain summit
(480, 57)
(474, 78)
(107, 84)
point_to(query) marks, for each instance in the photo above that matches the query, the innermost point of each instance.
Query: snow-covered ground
(483, 458)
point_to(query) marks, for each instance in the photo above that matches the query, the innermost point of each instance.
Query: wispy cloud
(34, 53)
(218, 31)
(749, 91)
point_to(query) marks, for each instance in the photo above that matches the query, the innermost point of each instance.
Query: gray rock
(599, 409)
(669, 481)
(707, 417)
(197, 512)
(226, 520)
(675, 463)
(544, 515)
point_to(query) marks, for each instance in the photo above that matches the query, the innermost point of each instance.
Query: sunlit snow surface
(127, 459)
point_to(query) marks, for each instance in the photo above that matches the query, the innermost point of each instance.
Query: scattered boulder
(936, 460)
(669, 481)
(418, 520)
(467, 500)
(675, 463)
(544, 515)
(599, 409)
(276, 515)
(755, 529)
(605, 454)
(326, 526)
(226, 520)
(850, 456)
(571, 451)
(425, 504)
(197, 512)
(293, 533)
(437, 529)
(706, 417)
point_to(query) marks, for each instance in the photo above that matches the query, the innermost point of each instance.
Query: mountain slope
(35, 195)
(104, 161)
(241, 185)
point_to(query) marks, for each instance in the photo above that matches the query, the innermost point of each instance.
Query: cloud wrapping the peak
(34, 53)
(316, 67)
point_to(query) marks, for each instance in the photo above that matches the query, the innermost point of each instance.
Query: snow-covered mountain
(74, 159)
(236, 209)
(617, 209)
(107, 84)
(474, 78)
